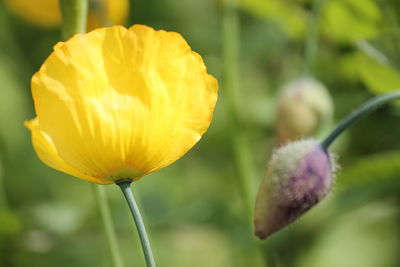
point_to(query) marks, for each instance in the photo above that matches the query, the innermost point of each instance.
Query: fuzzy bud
(298, 177)
(304, 106)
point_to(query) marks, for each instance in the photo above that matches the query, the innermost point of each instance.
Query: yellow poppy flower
(46, 13)
(120, 103)
(106, 13)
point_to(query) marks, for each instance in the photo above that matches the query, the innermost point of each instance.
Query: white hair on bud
(298, 177)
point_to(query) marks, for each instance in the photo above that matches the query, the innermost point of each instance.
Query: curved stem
(104, 208)
(369, 106)
(125, 186)
(74, 16)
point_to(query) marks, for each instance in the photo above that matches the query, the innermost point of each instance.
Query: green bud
(304, 107)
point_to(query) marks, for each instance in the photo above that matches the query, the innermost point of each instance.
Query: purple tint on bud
(298, 177)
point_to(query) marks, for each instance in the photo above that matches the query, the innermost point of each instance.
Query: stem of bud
(368, 107)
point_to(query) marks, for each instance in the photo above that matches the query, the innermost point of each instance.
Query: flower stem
(74, 17)
(241, 154)
(3, 193)
(101, 200)
(239, 140)
(125, 186)
(311, 43)
(369, 106)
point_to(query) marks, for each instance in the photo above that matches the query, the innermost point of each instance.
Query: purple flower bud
(298, 177)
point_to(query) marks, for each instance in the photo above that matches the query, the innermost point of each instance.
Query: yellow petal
(121, 103)
(44, 147)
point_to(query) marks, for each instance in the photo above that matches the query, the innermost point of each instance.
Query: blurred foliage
(379, 62)
(346, 21)
(289, 16)
(193, 208)
(380, 168)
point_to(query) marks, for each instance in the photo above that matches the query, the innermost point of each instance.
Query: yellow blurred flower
(120, 103)
(106, 13)
(46, 13)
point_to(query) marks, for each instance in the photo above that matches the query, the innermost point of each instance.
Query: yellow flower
(120, 103)
(106, 13)
(46, 13)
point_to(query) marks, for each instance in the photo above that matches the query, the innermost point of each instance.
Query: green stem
(311, 44)
(240, 146)
(101, 200)
(74, 17)
(3, 195)
(369, 106)
(125, 186)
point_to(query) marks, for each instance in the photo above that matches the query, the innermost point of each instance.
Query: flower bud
(298, 177)
(304, 106)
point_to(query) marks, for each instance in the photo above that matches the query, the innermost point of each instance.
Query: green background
(193, 209)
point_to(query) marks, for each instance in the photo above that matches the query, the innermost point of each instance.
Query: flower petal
(48, 154)
(121, 103)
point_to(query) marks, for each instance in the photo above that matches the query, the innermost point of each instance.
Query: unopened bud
(298, 177)
(304, 107)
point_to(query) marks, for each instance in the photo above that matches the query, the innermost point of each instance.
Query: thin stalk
(125, 186)
(240, 146)
(101, 200)
(74, 17)
(3, 193)
(311, 44)
(369, 106)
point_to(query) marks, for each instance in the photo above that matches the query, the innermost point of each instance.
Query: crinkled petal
(120, 103)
